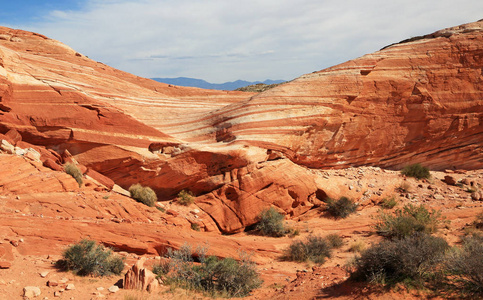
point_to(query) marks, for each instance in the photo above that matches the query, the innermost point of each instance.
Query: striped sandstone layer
(418, 101)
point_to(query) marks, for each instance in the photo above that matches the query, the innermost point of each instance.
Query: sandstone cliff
(417, 101)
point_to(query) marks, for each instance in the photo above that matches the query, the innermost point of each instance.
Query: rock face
(239, 153)
(418, 101)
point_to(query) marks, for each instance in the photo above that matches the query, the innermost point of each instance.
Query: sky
(226, 40)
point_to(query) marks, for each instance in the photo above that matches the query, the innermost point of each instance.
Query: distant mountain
(228, 86)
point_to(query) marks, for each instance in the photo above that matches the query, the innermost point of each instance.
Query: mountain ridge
(200, 83)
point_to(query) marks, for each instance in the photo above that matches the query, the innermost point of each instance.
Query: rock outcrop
(239, 153)
(417, 101)
(140, 278)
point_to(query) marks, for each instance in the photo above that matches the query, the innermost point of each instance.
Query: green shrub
(467, 264)
(143, 194)
(195, 227)
(186, 198)
(87, 258)
(74, 171)
(414, 259)
(334, 240)
(416, 171)
(341, 208)
(404, 187)
(388, 202)
(270, 223)
(407, 221)
(218, 277)
(315, 249)
(357, 246)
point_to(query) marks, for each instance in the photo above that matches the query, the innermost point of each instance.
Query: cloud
(225, 40)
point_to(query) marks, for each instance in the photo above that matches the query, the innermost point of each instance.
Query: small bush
(195, 227)
(186, 198)
(467, 264)
(218, 277)
(407, 221)
(143, 194)
(358, 246)
(74, 171)
(270, 223)
(416, 171)
(413, 259)
(388, 202)
(341, 208)
(87, 258)
(315, 249)
(335, 241)
(404, 187)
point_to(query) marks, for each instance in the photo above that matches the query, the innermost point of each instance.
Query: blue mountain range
(227, 86)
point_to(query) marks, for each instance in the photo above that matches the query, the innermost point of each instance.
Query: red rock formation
(417, 101)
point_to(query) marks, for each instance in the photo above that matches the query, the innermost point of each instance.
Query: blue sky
(226, 40)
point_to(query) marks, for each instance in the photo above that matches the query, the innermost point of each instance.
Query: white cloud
(222, 40)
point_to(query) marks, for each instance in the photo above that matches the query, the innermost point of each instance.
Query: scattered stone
(172, 213)
(477, 196)
(57, 293)
(31, 291)
(438, 197)
(44, 274)
(52, 283)
(113, 289)
(63, 280)
(7, 147)
(195, 211)
(5, 265)
(70, 286)
(14, 243)
(450, 180)
(100, 288)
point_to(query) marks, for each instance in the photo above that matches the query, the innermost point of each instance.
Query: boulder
(5, 265)
(49, 163)
(477, 196)
(7, 147)
(31, 291)
(107, 182)
(14, 136)
(450, 180)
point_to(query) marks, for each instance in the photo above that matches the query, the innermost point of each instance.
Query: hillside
(342, 131)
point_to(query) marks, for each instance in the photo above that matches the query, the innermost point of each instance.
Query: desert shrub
(407, 221)
(74, 171)
(479, 221)
(225, 277)
(270, 223)
(143, 194)
(416, 171)
(404, 187)
(186, 198)
(87, 258)
(195, 227)
(467, 264)
(388, 202)
(341, 208)
(414, 259)
(315, 249)
(334, 240)
(358, 246)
